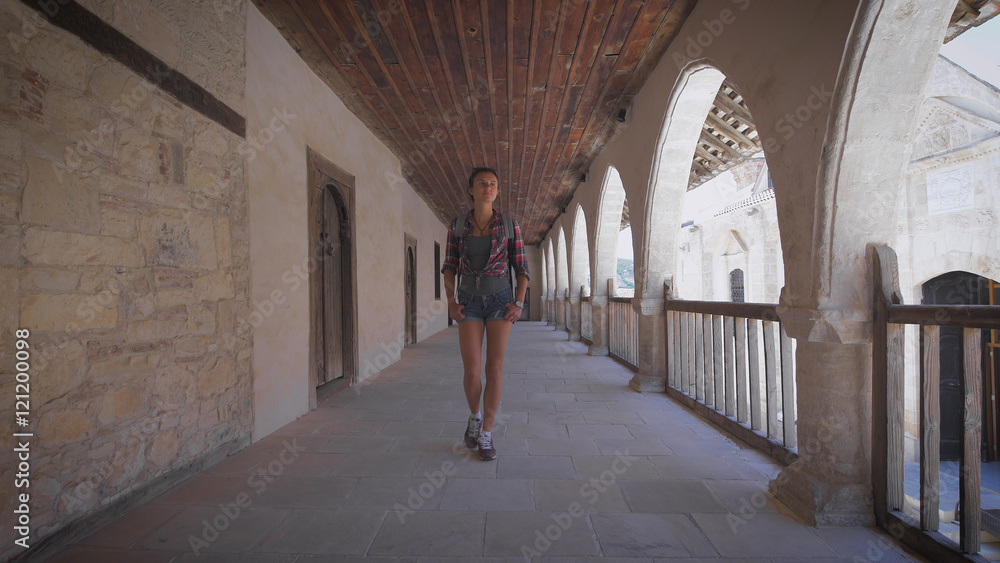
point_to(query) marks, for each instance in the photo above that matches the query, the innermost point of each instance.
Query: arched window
(736, 292)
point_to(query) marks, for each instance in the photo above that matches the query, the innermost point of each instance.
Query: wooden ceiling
(728, 137)
(531, 88)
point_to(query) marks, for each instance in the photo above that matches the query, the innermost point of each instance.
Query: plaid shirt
(496, 265)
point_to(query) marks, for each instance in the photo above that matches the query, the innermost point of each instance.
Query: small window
(437, 271)
(736, 294)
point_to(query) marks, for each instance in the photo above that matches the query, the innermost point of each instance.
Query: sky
(978, 51)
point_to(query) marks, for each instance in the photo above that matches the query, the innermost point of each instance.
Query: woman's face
(484, 187)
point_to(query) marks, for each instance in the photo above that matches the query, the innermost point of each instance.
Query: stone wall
(123, 228)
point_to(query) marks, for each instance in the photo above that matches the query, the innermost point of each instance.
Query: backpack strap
(508, 229)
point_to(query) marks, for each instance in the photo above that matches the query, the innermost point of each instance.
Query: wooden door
(954, 288)
(411, 295)
(333, 290)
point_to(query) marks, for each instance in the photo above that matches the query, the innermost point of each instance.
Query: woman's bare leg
(497, 333)
(470, 338)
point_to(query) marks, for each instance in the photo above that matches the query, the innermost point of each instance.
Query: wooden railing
(623, 329)
(735, 360)
(889, 317)
(586, 318)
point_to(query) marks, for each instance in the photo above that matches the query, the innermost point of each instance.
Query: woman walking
(477, 251)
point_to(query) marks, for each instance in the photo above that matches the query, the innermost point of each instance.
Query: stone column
(574, 318)
(545, 313)
(599, 308)
(560, 313)
(652, 374)
(830, 483)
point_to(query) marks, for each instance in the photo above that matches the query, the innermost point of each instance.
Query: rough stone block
(174, 388)
(59, 200)
(214, 287)
(149, 27)
(80, 119)
(223, 247)
(201, 319)
(124, 370)
(69, 249)
(62, 425)
(156, 330)
(64, 366)
(61, 57)
(120, 404)
(42, 279)
(171, 237)
(139, 153)
(117, 223)
(218, 375)
(49, 312)
(206, 174)
(170, 196)
(164, 448)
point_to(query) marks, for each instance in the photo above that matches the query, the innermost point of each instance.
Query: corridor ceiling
(532, 88)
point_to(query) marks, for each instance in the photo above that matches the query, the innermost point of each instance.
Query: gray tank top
(478, 253)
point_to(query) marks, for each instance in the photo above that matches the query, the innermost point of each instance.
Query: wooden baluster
(770, 381)
(685, 368)
(754, 364)
(742, 384)
(970, 468)
(930, 415)
(709, 364)
(719, 363)
(699, 357)
(730, 367)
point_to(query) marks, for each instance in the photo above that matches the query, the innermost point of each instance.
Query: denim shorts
(482, 308)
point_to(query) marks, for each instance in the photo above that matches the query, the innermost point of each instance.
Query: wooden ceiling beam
(733, 107)
(728, 130)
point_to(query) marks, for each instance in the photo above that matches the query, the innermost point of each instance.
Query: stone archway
(604, 259)
(562, 280)
(579, 269)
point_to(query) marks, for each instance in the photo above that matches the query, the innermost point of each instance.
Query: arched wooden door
(959, 288)
(410, 283)
(335, 263)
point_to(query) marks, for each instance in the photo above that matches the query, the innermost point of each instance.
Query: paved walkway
(586, 469)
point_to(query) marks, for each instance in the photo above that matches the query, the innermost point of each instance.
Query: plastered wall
(289, 109)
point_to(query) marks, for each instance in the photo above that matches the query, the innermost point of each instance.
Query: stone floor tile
(77, 554)
(587, 406)
(488, 494)
(743, 498)
(763, 535)
(657, 432)
(673, 496)
(203, 529)
(276, 443)
(411, 429)
(556, 495)
(238, 558)
(543, 447)
(539, 430)
(558, 417)
(391, 415)
(510, 445)
(634, 446)
(395, 494)
(595, 431)
(612, 417)
(132, 527)
(206, 490)
(325, 532)
(376, 465)
(535, 467)
(610, 467)
(701, 446)
(539, 533)
(350, 428)
(650, 535)
(298, 491)
(462, 465)
(356, 444)
(430, 533)
(693, 467)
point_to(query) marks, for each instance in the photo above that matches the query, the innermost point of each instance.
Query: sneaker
(472, 432)
(486, 449)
